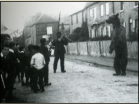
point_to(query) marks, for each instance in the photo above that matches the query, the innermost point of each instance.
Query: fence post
(100, 46)
(67, 49)
(77, 48)
(87, 48)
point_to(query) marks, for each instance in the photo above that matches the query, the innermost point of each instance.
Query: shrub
(80, 33)
(132, 37)
(100, 38)
(83, 39)
(73, 37)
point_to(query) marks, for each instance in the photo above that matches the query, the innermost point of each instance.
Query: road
(82, 84)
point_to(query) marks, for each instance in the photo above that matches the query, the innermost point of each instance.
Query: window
(122, 5)
(85, 18)
(94, 12)
(76, 18)
(90, 12)
(102, 10)
(130, 25)
(101, 31)
(107, 8)
(49, 30)
(108, 31)
(123, 24)
(136, 3)
(90, 33)
(136, 26)
(71, 21)
(95, 32)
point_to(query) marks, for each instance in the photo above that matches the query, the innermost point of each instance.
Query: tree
(84, 30)
(80, 33)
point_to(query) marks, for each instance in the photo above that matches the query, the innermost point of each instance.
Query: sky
(13, 14)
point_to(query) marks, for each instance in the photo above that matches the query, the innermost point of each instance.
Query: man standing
(44, 51)
(59, 50)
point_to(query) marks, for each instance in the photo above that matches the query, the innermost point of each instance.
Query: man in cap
(59, 50)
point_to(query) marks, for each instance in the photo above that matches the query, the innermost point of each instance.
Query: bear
(119, 45)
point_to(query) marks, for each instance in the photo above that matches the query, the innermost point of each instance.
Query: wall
(99, 18)
(41, 30)
(72, 48)
(94, 48)
(132, 50)
(75, 24)
(129, 11)
(82, 48)
(27, 42)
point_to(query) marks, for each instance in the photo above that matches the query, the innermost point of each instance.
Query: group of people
(33, 64)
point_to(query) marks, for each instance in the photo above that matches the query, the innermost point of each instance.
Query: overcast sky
(13, 14)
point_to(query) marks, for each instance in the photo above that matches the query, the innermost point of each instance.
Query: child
(22, 59)
(37, 64)
(18, 64)
(3, 70)
(29, 54)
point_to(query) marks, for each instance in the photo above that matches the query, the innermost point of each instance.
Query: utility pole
(59, 21)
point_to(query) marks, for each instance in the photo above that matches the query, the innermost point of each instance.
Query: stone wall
(96, 48)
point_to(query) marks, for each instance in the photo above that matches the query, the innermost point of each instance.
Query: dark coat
(44, 51)
(22, 58)
(28, 58)
(12, 61)
(4, 64)
(59, 46)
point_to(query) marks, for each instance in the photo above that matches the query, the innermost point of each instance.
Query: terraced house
(96, 13)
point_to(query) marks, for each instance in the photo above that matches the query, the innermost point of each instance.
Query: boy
(29, 55)
(3, 70)
(37, 64)
(18, 64)
(12, 71)
(44, 51)
(22, 60)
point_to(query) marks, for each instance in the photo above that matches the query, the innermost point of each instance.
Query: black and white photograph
(69, 52)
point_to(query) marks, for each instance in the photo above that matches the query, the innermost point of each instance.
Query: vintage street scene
(69, 52)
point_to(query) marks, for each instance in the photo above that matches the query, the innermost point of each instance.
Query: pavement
(102, 61)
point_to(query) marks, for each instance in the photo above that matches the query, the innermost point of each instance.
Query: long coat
(44, 51)
(64, 41)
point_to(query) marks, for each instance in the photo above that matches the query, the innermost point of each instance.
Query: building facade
(76, 20)
(96, 13)
(43, 27)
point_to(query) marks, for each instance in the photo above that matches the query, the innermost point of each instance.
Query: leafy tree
(80, 33)
(84, 30)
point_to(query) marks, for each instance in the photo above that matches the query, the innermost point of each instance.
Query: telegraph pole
(59, 21)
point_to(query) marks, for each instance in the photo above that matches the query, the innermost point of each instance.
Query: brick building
(96, 13)
(35, 29)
